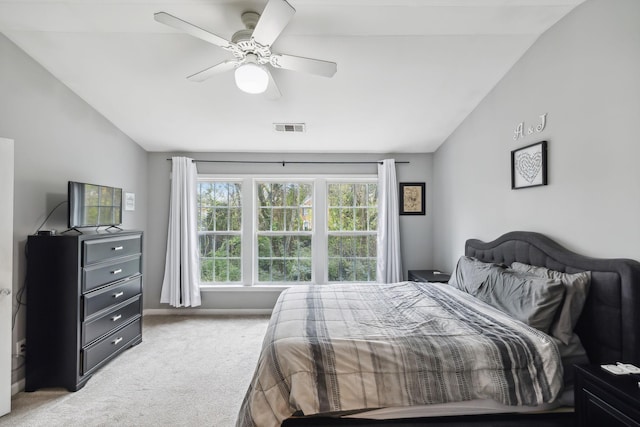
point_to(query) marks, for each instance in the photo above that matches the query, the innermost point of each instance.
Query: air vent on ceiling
(289, 127)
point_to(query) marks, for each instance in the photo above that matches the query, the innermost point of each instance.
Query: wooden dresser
(84, 304)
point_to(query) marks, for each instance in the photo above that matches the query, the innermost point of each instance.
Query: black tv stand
(107, 230)
(72, 229)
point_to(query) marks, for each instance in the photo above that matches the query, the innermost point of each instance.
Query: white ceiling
(409, 71)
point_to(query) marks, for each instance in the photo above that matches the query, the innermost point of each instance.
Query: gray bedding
(336, 348)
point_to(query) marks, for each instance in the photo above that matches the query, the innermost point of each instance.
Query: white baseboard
(17, 387)
(206, 311)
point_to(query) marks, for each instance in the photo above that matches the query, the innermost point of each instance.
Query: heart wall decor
(529, 166)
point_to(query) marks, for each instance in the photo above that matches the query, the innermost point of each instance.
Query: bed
(347, 335)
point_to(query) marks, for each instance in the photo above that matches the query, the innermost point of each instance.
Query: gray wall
(585, 73)
(58, 137)
(416, 231)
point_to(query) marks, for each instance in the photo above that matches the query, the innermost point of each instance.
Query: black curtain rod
(284, 162)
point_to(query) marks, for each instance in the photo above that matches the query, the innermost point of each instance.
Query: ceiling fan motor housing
(241, 36)
(250, 20)
(245, 44)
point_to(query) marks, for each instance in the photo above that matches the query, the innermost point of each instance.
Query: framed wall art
(529, 166)
(129, 201)
(412, 198)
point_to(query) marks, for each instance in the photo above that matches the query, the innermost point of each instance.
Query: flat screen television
(92, 205)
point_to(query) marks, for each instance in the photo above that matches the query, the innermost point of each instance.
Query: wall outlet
(21, 348)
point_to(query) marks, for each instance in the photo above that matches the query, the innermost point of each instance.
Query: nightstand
(428, 276)
(604, 399)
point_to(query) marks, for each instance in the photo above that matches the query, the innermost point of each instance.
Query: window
(220, 231)
(284, 231)
(352, 232)
(287, 230)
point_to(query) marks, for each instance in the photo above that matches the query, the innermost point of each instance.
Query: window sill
(242, 288)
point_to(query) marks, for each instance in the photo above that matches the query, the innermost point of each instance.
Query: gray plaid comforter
(336, 348)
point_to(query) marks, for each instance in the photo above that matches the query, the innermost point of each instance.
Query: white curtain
(181, 286)
(389, 267)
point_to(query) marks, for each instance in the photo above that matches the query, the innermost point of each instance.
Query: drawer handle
(118, 271)
(118, 248)
(118, 295)
(115, 318)
(116, 341)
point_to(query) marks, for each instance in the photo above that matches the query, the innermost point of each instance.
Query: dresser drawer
(103, 298)
(104, 249)
(93, 355)
(102, 274)
(112, 319)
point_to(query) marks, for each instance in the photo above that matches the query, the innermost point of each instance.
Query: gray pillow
(576, 289)
(470, 273)
(528, 298)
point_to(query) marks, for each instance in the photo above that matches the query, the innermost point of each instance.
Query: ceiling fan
(252, 49)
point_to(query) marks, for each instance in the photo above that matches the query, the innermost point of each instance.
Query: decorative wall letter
(543, 123)
(519, 131)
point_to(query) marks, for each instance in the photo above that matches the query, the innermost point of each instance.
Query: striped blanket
(336, 348)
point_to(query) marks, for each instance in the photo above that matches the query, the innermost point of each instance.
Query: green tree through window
(352, 222)
(220, 231)
(287, 230)
(284, 216)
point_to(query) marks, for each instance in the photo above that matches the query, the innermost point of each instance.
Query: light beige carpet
(188, 371)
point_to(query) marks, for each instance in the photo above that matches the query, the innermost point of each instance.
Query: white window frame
(256, 232)
(328, 232)
(319, 233)
(219, 178)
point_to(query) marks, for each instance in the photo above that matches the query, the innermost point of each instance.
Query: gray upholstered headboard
(609, 326)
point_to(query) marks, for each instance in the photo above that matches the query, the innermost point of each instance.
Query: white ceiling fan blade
(274, 18)
(188, 28)
(307, 65)
(272, 91)
(216, 69)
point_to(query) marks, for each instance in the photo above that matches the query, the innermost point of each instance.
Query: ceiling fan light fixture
(251, 48)
(252, 78)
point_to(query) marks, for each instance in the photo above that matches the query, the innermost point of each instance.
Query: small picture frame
(129, 201)
(412, 198)
(529, 166)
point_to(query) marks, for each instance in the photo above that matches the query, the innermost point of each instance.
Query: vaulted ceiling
(409, 71)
